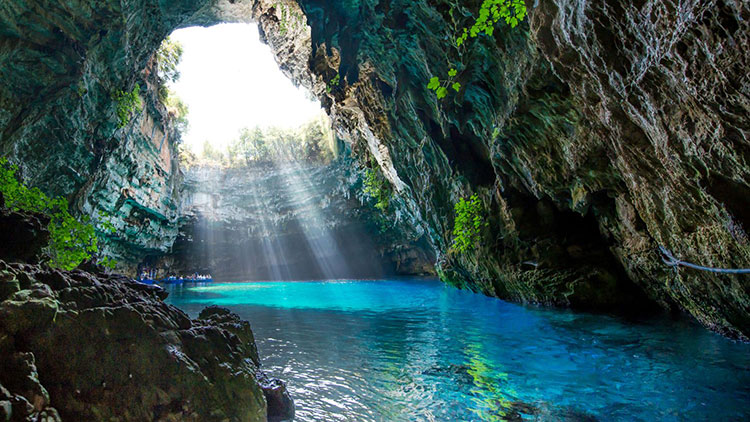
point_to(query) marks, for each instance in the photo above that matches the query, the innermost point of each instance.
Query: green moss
(127, 103)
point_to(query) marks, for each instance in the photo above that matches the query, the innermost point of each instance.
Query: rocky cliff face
(286, 220)
(85, 345)
(61, 65)
(593, 133)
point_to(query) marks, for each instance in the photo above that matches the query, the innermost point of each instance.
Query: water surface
(418, 350)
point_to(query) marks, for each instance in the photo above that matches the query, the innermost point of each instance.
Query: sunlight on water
(416, 350)
(226, 287)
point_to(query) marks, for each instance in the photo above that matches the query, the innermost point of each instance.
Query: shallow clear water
(417, 350)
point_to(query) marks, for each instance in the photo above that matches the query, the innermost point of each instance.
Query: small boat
(198, 280)
(146, 281)
(172, 280)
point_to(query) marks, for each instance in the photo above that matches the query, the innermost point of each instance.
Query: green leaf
(456, 86)
(434, 83)
(441, 92)
(452, 72)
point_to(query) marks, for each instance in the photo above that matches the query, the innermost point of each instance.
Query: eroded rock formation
(593, 133)
(86, 345)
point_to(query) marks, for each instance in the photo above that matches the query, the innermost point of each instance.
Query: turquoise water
(417, 350)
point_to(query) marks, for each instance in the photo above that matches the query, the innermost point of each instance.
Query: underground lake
(374, 211)
(417, 350)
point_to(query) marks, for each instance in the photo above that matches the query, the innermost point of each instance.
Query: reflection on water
(416, 350)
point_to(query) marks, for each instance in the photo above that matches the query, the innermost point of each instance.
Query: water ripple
(409, 350)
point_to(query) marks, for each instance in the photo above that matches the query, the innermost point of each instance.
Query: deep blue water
(417, 350)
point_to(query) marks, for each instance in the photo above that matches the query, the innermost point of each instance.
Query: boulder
(81, 346)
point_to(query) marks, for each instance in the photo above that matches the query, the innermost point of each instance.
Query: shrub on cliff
(71, 241)
(468, 223)
(375, 186)
(168, 57)
(127, 103)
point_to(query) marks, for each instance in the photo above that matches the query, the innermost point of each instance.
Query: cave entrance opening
(262, 184)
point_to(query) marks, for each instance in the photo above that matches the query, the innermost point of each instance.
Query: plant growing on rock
(333, 83)
(71, 241)
(168, 58)
(441, 86)
(176, 108)
(375, 186)
(289, 19)
(468, 223)
(127, 102)
(491, 12)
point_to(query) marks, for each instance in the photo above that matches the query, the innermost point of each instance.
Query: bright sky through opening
(230, 80)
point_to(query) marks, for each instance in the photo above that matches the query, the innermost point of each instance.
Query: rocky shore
(85, 345)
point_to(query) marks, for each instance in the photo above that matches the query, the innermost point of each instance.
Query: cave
(474, 229)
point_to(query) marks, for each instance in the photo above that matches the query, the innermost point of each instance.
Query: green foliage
(127, 102)
(491, 12)
(168, 56)
(468, 223)
(333, 83)
(71, 241)
(375, 186)
(81, 89)
(311, 142)
(176, 108)
(107, 262)
(441, 86)
(289, 19)
(210, 153)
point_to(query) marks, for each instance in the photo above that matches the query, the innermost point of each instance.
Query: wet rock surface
(76, 345)
(593, 133)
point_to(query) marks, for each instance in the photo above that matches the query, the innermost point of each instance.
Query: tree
(177, 109)
(212, 154)
(168, 57)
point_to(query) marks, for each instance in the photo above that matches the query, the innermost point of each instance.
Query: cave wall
(286, 220)
(593, 133)
(61, 63)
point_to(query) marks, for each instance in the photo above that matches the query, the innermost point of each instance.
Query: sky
(230, 80)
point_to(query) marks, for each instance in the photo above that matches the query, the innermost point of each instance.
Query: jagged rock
(280, 404)
(108, 347)
(593, 133)
(81, 346)
(24, 399)
(22, 235)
